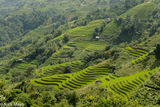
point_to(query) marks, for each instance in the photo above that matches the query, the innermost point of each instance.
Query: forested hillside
(80, 53)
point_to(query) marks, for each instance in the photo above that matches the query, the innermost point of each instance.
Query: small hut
(19, 60)
(97, 37)
(108, 20)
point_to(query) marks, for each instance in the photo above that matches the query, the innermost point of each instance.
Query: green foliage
(90, 58)
(137, 53)
(132, 24)
(157, 52)
(48, 99)
(125, 85)
(63, 103)
(73, 99)
(57, 39)
(72, 80)
(141, 11)
(68, 67)
(107, 100)
(149, 95)
(116, 101)
(21, 72)
(34, 95)
(1, 85)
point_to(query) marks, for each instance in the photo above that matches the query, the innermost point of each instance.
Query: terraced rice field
(22, 66)
(119, 85)
(73, 80)
(59, 68)
(137, 53)
(125, 85)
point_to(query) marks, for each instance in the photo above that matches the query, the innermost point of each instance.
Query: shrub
(63, 103)
(1, 85)
(48, 98)
(24, 98)
(157, 52)
(73, 98)
(35, 95)
(116, 101)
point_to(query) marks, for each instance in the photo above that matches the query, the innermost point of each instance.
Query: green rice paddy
(73, 80)
(125, 85)
(59, 68)
(137, 53)
(118, 85)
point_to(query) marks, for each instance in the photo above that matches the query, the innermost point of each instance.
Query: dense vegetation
(80, 53)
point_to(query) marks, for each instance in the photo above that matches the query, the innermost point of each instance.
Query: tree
(73, 99)
(67, 69)
(1, 85)
(157, 52)
(29, 71)
(96, 31)
(107, 48)
(119, 21)
(65, 39)
(129, 3)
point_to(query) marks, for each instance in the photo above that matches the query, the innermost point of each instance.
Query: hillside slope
(116, 29)
(80, 53)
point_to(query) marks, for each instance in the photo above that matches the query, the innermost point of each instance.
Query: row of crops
(60, 68)
(73, 80)
(137, 53)
(119, 85)
(125, 85)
